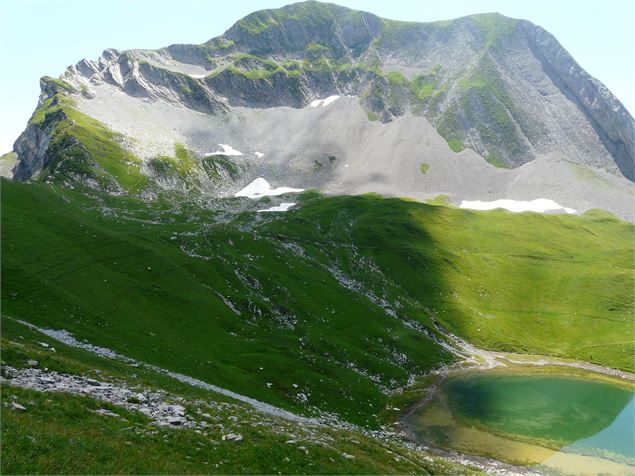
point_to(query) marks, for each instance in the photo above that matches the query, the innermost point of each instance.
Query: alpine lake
(556, 420)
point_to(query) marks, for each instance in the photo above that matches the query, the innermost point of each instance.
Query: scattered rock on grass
(17, 407)
(233, 437)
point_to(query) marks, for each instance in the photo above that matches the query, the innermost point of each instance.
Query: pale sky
(43, 37)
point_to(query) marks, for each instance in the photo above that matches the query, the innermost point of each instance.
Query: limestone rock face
(611, 120)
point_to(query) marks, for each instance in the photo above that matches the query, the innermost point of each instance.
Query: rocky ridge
(493, 107)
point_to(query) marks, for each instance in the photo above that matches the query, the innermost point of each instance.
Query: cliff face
(608, 117)
(500, 87)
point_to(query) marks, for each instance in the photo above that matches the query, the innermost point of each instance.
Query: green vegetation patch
(396, 78)
(60, 84)
(315, 50)
(83, 146)
(184, 164)
(220, 167)
(495, 160)
(455, 145)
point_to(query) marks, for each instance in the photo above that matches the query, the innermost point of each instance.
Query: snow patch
(259, 155)
(540, 205)
(283, 207)
(261, 188)
(324, 102)
(197, 76)
(227, 150)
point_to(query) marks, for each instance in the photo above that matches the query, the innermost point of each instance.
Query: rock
(106, 412)
(44, 344)
(233, 437)
(32, 363)
(93, 383)
(8, 372)
(176, 421)
(17, 407)
(141, 397)
(347, 456)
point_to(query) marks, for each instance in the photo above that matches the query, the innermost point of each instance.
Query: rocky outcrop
(605, 112)
(157, 405)
(138, 78)
(32, 147)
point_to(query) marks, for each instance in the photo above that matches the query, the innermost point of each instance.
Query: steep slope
(98, 436)
(345, 296)
(494, 106)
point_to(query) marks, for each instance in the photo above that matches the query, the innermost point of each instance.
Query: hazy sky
(43, 37)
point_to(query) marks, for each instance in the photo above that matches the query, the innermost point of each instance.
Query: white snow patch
(259, 155)
(261, 188)
(540, 205)
(197, 76)
(283, 207)
(227, 150)
(324, 102)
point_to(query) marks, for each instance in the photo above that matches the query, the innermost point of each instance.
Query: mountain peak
(295, 26)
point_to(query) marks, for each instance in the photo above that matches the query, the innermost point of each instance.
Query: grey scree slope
(370, 156)
(572, 139)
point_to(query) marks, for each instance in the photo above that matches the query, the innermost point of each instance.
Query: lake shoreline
(475, 360)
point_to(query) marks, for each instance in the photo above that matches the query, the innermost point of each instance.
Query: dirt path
(477, 358)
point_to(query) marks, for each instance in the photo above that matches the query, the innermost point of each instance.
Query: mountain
(490, 107)
(246, 256)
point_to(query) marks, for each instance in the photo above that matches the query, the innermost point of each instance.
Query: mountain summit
(315, 95)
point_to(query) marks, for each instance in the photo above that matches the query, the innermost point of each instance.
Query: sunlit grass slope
(61, 433)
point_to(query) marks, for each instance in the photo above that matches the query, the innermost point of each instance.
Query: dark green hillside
(328, 299)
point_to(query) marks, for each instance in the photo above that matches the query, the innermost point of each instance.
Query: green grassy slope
(327, 297)
(128, 285)
(550, 284)
(82, 147)
(61, 434)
